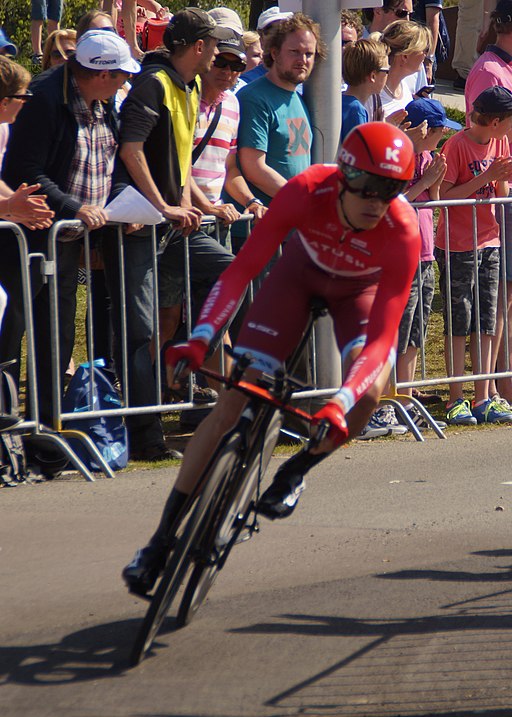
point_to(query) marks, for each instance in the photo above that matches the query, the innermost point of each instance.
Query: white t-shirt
(391, 104)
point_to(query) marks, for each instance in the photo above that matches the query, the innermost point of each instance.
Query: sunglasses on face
(401, 14)
(234, 65)
(371, 186)
(23, 97)
(58, 55)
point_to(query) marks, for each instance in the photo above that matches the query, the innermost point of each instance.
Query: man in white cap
(266, 23)
(226, 17)
(65, 138)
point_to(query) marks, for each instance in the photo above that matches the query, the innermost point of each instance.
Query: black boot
(141, 574)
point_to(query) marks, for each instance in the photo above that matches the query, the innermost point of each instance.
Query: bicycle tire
(176, 569)
(229, 525)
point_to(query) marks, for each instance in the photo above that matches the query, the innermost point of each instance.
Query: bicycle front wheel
(177, 567)
(227, 526)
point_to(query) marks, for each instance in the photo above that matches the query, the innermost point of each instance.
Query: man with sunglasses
(214, 165)
(379, 18)
(351, 241)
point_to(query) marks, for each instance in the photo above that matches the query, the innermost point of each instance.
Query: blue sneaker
(383, 422)
(459, 414)
(492, 412)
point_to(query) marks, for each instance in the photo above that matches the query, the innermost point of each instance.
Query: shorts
(208, 259)
(46, 10)
(421, 297)
(279, 314)
(506, 236)
(463, 313)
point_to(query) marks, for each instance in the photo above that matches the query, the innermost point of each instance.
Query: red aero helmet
(378, 148)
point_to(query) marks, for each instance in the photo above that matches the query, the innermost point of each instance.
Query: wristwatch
(253, 200)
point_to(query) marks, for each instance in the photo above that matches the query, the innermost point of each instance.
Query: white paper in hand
(131, 207)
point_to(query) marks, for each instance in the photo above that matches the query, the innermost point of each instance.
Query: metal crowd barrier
(33, 427)
(57, 433)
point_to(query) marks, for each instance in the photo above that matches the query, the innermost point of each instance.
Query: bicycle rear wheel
(226, 527)
(180, 561)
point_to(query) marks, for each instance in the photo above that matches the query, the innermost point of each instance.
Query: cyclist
(353, 241)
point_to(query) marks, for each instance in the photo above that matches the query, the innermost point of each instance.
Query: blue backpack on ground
(108, 434)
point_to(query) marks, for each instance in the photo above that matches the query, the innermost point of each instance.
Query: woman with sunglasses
(20, 206)
(409, 43)
(59, 45)
(351, 241)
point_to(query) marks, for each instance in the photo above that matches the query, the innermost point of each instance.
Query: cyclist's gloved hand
(193, 352)
(332, 412)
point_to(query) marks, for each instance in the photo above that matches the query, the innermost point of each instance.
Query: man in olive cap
(158, 119)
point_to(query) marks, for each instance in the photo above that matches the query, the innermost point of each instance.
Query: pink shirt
(489, 70)
(465, 159)
(425, 215)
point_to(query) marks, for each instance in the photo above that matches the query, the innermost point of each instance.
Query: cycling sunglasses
(234, 65)
(372, 186)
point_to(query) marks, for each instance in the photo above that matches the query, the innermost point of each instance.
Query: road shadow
(460, 575)
(455, 662)
(89, 654)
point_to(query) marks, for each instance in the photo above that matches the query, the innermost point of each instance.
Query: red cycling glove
(338, 432)
(193, 353)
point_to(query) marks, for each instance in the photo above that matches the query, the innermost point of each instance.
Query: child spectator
(429, 173)
(365, 70)
(478, 167)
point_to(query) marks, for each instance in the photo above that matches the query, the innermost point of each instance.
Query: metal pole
(323, 98)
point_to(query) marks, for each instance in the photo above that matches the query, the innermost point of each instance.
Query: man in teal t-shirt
(274, 135)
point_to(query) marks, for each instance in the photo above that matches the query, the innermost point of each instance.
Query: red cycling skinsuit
(364, 277)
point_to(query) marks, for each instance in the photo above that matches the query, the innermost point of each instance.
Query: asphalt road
(388, 592)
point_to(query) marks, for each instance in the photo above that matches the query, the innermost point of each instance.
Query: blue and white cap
(100, 50)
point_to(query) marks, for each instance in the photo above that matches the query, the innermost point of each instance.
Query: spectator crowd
(207, 118)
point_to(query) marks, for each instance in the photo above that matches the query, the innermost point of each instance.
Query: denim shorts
(208, 259)
(463, 289)
(411, 330)
(46, 10)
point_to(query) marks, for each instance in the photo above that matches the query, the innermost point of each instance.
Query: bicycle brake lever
(179, 370)
(322, 429)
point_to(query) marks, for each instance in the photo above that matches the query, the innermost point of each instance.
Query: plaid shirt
(90, 173)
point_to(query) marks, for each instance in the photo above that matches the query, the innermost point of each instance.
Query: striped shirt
(209, 171)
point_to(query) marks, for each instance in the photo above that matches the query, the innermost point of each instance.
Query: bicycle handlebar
(259, 393)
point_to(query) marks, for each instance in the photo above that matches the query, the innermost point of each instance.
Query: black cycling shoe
(141, 574)
(280, 499)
